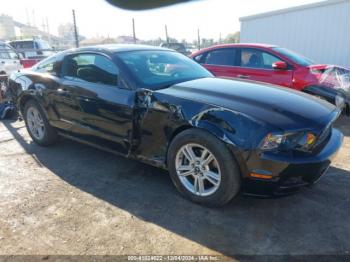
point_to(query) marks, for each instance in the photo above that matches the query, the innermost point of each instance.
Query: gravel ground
(76, 200)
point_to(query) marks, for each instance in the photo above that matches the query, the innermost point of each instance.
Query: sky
(98, 18)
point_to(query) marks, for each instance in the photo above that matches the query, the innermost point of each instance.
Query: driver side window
(93, 68)
(254, 58)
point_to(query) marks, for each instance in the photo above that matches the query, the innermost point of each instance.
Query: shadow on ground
(314, 221)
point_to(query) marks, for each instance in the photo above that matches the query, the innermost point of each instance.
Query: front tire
(37, 125)
(202, 168)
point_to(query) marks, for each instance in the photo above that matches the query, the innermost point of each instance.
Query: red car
(279, 66)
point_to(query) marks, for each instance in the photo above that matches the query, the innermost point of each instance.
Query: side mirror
(280, 65)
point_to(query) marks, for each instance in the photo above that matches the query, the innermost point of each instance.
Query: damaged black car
(215, 136)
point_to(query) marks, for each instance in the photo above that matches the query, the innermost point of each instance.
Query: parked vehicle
(9, 61)
(32, 50)
(215, 136)
(276, 65)
(179, 47)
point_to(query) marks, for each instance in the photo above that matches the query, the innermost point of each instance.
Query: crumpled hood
(327, 66)
(278, 106)
(333, 76)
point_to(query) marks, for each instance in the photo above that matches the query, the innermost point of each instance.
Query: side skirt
(115, 152)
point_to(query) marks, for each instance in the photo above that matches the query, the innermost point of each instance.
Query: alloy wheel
(35, 123)
(198, 169)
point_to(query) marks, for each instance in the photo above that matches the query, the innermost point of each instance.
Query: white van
(32, 48)
(9, 60)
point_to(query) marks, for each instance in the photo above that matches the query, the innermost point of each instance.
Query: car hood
(284, 108)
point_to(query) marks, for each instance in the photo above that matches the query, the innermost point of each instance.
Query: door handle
(243, 76)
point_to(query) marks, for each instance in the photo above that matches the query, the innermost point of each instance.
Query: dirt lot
(73, 199)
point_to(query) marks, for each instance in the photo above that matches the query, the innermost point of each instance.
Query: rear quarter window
(51, 65)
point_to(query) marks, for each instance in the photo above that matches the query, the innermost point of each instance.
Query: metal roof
(292, 9)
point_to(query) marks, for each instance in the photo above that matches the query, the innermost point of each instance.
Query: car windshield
(43, 44)
(158, 69)
(22, 44)
(295, 57)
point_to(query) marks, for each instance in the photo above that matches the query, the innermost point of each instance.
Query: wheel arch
(24, 99)
(239, 132)
(217, 132)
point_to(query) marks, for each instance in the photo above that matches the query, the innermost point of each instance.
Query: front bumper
(289, 173)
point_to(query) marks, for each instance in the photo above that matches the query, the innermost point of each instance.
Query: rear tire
(202, 168)
(37, 124)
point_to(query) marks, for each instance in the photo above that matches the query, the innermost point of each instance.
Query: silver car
(9, 60)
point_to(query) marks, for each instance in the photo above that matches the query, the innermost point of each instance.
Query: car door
(256, 64)
(221, 62)
(100, 109)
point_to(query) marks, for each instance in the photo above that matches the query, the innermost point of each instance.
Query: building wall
(321, 32)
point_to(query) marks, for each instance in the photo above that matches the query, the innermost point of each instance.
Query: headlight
(300, 141)
(272, 141)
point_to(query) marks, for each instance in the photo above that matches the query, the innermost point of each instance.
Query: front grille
(307, 173)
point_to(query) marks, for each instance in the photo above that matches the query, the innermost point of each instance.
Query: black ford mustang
(215, 136)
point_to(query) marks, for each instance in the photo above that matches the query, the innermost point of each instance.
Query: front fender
(234, 128)
(163, 117)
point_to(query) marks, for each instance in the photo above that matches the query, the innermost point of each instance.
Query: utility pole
(28, 17)
(199, 40)
(133, 30)
(48, 31)
(44, 26)
(33, 12)
(166, 34)
(75, 30)
(220, 38)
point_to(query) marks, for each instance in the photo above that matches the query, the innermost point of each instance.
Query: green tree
(232, 38)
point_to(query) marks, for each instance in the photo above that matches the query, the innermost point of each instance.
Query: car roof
(247, 45)
(24, 40)
(115, 48)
